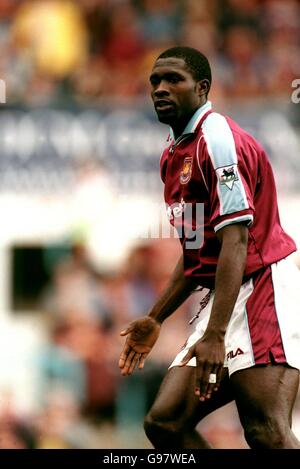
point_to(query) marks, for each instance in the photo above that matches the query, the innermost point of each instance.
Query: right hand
(141, 336)
(209, 352)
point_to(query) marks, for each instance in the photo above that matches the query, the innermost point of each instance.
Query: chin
(166, 118)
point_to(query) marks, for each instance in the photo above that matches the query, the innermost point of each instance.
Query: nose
(161, 89)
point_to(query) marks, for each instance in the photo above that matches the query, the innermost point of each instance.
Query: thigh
(176, 400)
(264, 393)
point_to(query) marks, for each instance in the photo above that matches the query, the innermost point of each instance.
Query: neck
(180, 125)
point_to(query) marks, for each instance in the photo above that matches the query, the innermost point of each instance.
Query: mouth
(163, 105)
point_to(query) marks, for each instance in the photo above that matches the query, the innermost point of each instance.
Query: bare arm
(177, 291)
(229, 276)
(210, 349)
(143, 333)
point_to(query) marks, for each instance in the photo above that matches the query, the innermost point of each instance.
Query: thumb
(126, 331)
(187, 357)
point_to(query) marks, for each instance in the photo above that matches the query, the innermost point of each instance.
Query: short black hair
(196, 62)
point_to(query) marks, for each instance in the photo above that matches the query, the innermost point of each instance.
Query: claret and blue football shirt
(218, 164)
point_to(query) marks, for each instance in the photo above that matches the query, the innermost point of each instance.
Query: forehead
(170, 64)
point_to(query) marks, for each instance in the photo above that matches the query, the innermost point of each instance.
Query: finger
(134, 362)
(187, 357)
(126, 331)
(206, 370)
(128, 362)
(123, 357)
(199, 380)
(211, 386)
(142, 360)
(219, 377)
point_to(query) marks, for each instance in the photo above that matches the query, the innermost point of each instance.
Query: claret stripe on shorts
(263, 321)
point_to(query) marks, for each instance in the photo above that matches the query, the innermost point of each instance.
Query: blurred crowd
(81, 400)
(88, 50)
(79, 389)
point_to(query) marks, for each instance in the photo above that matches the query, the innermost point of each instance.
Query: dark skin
(186, 396)
(209, 350)
(175, 94)
(176, 97)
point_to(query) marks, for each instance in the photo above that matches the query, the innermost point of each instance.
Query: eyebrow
(166, 75)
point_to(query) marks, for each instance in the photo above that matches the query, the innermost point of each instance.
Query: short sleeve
(227, 176)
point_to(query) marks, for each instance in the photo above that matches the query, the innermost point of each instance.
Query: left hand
(210, 354)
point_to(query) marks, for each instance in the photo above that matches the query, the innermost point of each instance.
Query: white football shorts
(265, 323)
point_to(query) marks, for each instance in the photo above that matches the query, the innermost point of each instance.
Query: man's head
(180, 80)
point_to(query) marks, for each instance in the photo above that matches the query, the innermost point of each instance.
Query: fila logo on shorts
(231, 354)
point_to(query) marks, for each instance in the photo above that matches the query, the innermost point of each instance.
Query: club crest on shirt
(227, 176)
(186, 171)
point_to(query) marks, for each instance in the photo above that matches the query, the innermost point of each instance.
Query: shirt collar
(194, 121)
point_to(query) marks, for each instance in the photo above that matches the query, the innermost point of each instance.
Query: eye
(154, 81)
(173, 79)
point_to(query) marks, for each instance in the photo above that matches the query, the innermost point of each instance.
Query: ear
(203, 87)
